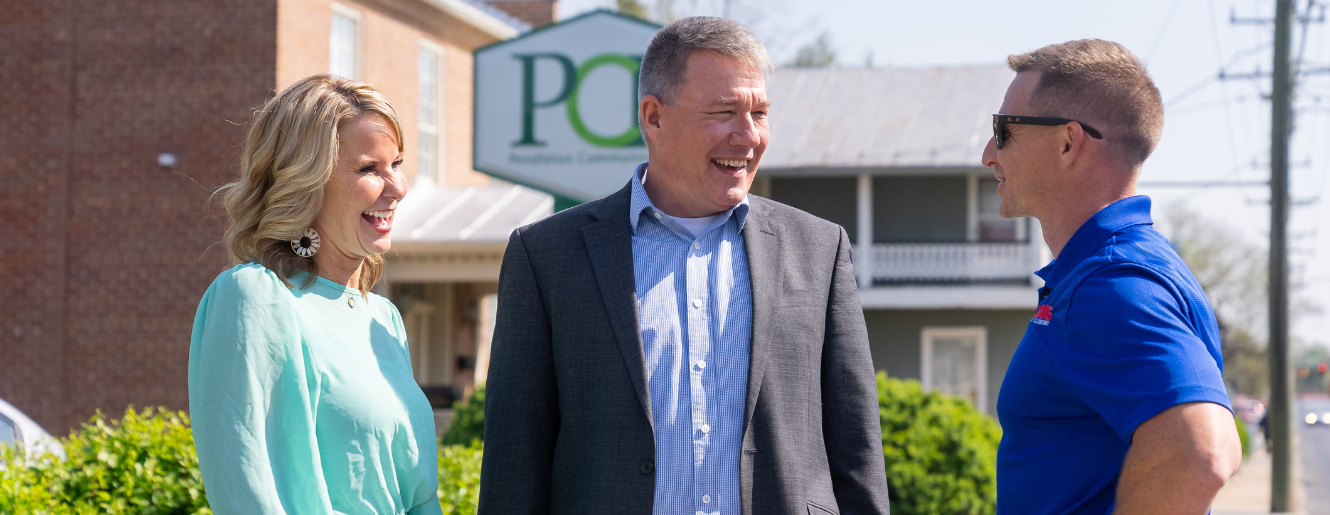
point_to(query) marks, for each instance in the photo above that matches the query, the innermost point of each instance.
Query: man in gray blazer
(679, 346)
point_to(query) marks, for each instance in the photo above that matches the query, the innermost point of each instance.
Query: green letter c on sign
(575, 116)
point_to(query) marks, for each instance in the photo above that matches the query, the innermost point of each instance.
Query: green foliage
(941, 452)
(631, 8)
(468, 423)
(459, 477)
(818, 54)
(1244, 436)
(141, 464)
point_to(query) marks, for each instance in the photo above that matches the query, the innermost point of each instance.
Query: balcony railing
(953, 262)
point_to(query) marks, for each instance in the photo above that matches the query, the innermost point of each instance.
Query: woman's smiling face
(362, 195)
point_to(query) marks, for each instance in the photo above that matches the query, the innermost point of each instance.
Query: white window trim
(973, 216)
(358, 45)
(979, 333)
(441, 111)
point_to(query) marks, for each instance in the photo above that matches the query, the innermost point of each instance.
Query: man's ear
(648, 110)
(1072, 142)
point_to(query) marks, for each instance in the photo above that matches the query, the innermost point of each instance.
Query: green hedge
(941, 452)
(143, 463)
(459, 477)
(468, 425)
(1244, 436)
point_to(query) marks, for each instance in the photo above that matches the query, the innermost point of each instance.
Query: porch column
(863, 262)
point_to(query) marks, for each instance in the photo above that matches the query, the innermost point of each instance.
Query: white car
(16, 429)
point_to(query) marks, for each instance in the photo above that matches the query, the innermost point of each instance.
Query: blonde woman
(300, 386)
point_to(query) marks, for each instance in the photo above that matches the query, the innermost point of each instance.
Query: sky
(1213, 130)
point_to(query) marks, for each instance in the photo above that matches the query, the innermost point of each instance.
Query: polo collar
(1090, 237)
(639, 202)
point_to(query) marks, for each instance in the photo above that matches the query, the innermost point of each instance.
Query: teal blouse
(303, 401)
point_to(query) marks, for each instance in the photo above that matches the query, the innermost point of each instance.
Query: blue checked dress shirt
(695, 307)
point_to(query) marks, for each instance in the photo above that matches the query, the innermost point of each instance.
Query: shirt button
(706, 499)
(697, 303)
(706, 428)
(701, 363)
(697, 245)
(647, 467)
(657, 213)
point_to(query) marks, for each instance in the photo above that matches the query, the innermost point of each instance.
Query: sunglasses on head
(999, 133)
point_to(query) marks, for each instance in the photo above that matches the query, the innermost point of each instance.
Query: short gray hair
(1101, 82)
(666, 60)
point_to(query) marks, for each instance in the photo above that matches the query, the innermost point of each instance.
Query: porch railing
(953, 262)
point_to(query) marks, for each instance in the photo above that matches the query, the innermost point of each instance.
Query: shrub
(141, 464)
(468, 423)
(1244, 436)
(459, 477)
(941, 452)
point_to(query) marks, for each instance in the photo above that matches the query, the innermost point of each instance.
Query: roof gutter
(476, 18)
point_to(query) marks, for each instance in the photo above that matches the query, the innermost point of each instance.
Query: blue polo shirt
(1122, 333)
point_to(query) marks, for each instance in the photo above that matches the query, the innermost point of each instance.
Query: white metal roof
(487, 18)
(828, 121)
(432, 215)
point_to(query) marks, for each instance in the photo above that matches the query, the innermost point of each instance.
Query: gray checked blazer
(568, 424)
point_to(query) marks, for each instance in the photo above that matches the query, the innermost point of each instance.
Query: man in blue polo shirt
(1114, 401)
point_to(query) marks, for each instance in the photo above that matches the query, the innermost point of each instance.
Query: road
(1314, 446)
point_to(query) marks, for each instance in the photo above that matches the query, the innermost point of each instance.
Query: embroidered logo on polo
(1043, 315)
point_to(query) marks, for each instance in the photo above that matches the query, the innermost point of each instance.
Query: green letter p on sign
(573, 80)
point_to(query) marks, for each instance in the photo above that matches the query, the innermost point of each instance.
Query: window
(344, 43)
(954, 361)
(9, 434)
(986, 223)
(428, 67)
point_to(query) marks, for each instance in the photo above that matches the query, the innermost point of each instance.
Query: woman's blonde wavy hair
(289, 155)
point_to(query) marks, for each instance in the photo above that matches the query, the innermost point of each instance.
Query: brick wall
(392, 30)
(535, 12)
(34, 171)
(103, 253)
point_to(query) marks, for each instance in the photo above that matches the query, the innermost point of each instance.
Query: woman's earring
(307, 244)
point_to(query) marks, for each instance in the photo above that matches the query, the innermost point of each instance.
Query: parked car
(1316, 411)
(17, 430)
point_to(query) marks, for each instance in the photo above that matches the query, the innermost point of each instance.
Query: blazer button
(648, 467)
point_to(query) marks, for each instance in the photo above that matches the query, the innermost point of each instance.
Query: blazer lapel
(610, 243)
(762, 242)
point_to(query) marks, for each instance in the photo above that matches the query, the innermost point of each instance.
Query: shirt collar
(640, 202)
(1093, 233)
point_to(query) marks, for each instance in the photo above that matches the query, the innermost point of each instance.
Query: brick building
(124, 116)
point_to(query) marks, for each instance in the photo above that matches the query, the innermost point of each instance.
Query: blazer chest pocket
(794, 280)
(818, 509)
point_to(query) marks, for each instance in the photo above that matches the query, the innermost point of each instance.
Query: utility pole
(1281, 388)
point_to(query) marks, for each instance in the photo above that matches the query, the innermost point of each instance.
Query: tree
(1312, 370)
(1232, 271)
(631, 8)
(1245, 368)
(816, 54)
